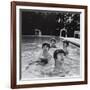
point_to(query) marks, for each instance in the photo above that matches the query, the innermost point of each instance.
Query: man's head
(59, 54)
(65, 43)
(45, 46)
(53, 41)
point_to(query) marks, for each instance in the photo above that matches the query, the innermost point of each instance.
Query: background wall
(5, 44)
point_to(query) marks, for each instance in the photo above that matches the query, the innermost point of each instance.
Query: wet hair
(66, 42)
(58, 51)
(46, 44)
(53, 40)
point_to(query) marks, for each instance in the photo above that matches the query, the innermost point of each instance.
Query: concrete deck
(74, 41)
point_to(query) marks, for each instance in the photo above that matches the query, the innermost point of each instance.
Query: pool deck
(74, 41)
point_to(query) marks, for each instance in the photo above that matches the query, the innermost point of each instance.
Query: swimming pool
(30, 49)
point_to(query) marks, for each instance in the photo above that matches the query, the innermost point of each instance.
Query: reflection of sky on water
(30, 51)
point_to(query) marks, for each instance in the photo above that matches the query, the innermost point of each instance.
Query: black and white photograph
(50, 44)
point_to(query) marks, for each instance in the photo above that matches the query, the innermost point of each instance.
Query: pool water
(30, 50)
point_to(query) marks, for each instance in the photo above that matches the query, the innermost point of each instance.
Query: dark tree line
(70, 21)
(50, 23)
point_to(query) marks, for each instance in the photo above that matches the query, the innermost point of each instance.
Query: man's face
(60, 56)
(53, 42)
(45, 48)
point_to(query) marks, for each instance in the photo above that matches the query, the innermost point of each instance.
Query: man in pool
(58, 56)
(53, 43)
(44, 56)
(44, 62)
